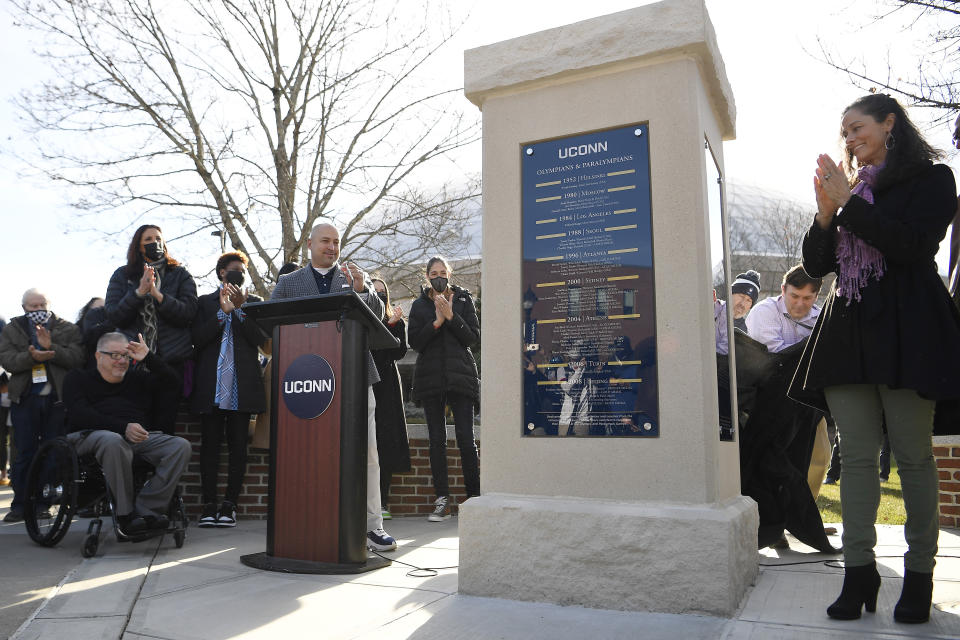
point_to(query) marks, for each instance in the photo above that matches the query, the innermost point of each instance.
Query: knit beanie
(748, 284)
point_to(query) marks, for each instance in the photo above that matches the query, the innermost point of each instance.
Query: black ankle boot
(915, 599)
(860, 588)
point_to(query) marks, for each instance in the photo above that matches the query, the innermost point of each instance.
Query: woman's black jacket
(175, 313)
(444, 360)
(393, 447)
(207, 334)
(905, 331)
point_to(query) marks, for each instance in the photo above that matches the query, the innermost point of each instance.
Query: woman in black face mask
(154, 295)
(227, 385)
(443, 327)
(392, 444)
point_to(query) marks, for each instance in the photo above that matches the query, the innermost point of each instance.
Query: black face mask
(153, 251)
(234, 277)
(383, 297)
(439, 284)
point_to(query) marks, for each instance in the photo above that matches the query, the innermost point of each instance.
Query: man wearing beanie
(745, 290)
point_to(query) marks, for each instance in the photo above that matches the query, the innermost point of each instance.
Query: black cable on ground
(832, 563)
(416, 572)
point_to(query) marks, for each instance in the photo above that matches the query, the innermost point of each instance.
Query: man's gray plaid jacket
(303, 283)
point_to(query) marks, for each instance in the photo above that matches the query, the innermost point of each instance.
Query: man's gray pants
(168, 454)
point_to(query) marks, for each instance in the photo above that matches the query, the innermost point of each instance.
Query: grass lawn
(891, 500)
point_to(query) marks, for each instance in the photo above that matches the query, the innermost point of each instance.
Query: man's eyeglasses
(116, 356)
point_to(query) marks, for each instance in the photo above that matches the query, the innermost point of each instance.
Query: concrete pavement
(153, 590)
(27, 572)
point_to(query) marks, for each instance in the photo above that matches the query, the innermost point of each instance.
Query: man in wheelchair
(110, 413)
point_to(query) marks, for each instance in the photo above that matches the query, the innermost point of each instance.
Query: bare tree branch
(766, 233)
(933, 83)
(256, 117)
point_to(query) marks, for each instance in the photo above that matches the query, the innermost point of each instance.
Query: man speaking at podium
(324, 274)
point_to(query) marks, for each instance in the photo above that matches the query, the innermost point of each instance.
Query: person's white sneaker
(441, 510)
(208, 518)
(227, 515)
(380, 540)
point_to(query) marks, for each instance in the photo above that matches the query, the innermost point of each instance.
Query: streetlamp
(222, 234)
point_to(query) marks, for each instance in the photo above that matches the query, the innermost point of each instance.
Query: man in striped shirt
(789, 318)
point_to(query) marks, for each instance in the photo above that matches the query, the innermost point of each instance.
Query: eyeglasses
(115, 356)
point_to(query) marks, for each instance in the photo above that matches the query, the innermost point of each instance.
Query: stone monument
(605, 483)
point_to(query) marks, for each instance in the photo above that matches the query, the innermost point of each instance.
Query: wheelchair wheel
(51, 492)
(178, 520)
(91, 542)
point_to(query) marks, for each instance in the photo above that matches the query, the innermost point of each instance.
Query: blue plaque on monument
(589, 323)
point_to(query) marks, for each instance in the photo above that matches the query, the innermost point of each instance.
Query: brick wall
(411, 493)
(946, 451)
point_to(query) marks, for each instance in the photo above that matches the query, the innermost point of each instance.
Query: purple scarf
(858, 260)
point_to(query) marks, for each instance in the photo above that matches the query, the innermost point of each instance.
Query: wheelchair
(59, 482)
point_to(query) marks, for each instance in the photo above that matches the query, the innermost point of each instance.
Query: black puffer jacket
(444, 360)
(176, 312)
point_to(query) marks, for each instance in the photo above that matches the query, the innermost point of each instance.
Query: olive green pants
(859, 410)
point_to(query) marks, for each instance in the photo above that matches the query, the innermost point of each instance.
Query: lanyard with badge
(39, 373)
(797, 322)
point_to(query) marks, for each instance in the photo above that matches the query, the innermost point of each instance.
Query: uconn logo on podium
(308, 386)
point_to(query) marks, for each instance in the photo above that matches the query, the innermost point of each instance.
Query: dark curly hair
(227, 258)
(909, 152)
(135, 260)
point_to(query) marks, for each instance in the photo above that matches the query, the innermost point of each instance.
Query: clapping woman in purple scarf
(887, 342)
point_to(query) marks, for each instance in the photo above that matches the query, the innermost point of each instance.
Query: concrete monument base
(559, 520)
(631, 556)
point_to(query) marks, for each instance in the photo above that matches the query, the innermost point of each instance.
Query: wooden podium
(316, 515)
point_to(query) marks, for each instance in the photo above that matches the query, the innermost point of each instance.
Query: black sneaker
(13, 516)
(208, 519)
(227, 516)
(157, 523)
(131, 525)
